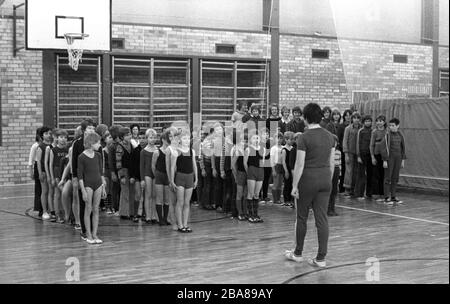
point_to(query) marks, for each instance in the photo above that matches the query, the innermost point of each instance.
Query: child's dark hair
(87, 122)
(114, 130)
(132, 126)
(123, 131)
(355, 115)
(335, 112)
(326, 109)
(241, 103)
(297, 109)
(38, 136)
(255, 106)
(348, 111)
(312, 113)
(395, 120)
(43, 130)
(366, 118)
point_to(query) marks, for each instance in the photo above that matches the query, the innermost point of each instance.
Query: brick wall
(352, 66)
(184, 41)
(443, 57)
(21, 83)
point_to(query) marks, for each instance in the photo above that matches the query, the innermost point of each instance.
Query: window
(118, 43)
(359, 97)
(401, 58)
(443, 82)
(225, 48)
(321, 54)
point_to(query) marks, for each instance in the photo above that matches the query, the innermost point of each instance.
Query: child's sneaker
(77, 227)
(314, 262)
(290, 255)
(53, 218)
(109, 211)
(360, 198)
(388, 201)
(45, 216)
(60, 221)
(396, 201)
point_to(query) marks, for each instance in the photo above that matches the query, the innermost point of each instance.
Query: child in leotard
(92, 184)
(240, 176)
(183, 177)
(161, 179)
(148, 177)
(253, 159)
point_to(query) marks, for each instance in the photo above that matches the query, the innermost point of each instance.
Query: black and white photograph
(225, 148)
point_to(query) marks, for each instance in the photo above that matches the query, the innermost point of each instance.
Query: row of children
(371, 155)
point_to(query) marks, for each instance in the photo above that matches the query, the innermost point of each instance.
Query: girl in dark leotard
(148, 177)
(183, 177)
(240, 177)
(92, 184)
(253, 159)
(161, 179)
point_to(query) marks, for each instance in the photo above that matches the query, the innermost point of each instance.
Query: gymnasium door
(151, 92)
(78, 93)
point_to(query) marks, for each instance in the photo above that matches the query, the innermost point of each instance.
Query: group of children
(156, 178)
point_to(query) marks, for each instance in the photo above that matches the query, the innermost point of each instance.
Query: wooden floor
(411, 242)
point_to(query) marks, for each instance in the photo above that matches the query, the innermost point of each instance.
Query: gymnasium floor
(410, 241)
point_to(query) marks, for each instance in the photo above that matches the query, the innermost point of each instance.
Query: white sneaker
(289, 254)
(89, 241)
(45, 216)
(98, 241)
(316, 263)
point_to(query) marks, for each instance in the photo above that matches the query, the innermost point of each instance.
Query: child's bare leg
(51, 193)
(179, 207)
(66, 201)
(87, 212)
(44, 195)
(95, 211)
(187, 206)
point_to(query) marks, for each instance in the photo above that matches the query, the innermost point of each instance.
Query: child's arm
(169, 163)
(273, 160)
(46, 158)
(39, 164)
(357, 146)
(31, 159)
(246, 154)
(222, 162)
(194, 165)
(80, 175)
(52, 157)
(283, 161)
(234, 158)
(64, 175)
(372, 147)
(173, 165)
(120, 170)
(213, 165)
(345, 140)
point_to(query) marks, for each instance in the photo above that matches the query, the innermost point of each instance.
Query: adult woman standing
(311, 185)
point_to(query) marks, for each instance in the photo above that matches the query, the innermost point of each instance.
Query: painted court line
(15, 197)
(394, 215)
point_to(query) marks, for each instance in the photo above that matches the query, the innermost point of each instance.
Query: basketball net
(74, 50)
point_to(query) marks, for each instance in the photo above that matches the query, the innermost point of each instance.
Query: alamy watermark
(73, 272)
(373, 272)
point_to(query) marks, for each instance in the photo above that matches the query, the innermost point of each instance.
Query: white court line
(6, 198)
(393, 215)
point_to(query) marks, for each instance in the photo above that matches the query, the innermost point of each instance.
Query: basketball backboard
(47, 21)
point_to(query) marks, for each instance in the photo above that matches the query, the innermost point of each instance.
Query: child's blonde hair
(150, 131)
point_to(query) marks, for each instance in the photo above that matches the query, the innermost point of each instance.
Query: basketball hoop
(75, 50)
